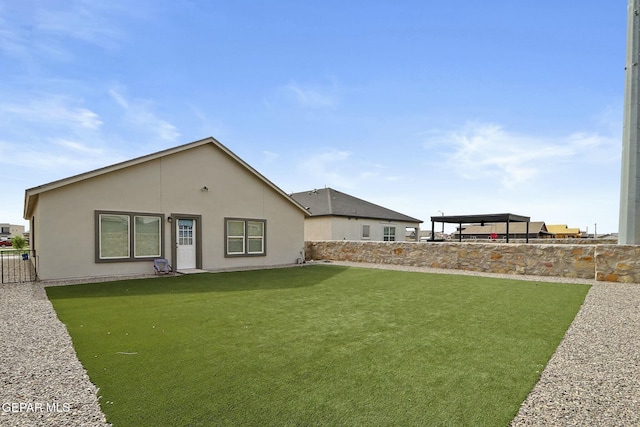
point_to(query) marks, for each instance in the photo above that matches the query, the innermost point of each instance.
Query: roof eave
(29, 203)
(367, 217)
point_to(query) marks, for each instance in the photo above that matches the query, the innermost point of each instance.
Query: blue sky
(421, 106)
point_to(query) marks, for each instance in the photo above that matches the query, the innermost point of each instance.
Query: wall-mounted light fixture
(205, 188)
(169, 219)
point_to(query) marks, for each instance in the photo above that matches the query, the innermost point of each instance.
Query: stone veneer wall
(618, 263)
(614, 263)
(599, 241)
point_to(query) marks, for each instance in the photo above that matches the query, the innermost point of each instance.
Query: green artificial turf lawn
(319, 345)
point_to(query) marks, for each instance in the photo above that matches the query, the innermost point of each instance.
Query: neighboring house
(425, 235)
(562, 231)
(339, 216)
(517, 230)
(198, 205)
(10, 230)
(607, 236)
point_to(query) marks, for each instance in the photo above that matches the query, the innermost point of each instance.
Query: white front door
(186, 244)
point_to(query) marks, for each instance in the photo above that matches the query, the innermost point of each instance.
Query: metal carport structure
(479, 219)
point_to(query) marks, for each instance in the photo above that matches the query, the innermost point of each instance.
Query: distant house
(198, 205)
(606, 236)
(11, 230)
(517, 230)
(339, 216)
(562, 231)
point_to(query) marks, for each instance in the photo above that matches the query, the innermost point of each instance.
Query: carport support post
(508, 231)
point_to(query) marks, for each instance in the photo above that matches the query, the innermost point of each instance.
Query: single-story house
(198, 205)
(10, 230)
(339, 216)
(562, 231)
(517, 230)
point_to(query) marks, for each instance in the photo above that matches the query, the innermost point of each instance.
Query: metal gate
(18, 266)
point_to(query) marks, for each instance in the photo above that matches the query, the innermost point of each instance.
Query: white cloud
(120, 100)
(11, 40)
(139, 114)
(80, 21)
(207, 123)
(329, 168)
(307, 97)
(591, 147)
(42, 30)
(342, 169)
(482, 150)
(269, 156)
(68, 157)
(54, 111)
(312, 97)
(79, 147)
(164, 130)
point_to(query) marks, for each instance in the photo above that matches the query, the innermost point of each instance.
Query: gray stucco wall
(65, 229)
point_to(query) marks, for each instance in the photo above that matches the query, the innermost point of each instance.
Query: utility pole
(629, 232)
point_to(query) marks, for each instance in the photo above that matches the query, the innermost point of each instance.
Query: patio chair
(162, 266)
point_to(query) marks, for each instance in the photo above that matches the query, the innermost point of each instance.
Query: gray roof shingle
(330, 202)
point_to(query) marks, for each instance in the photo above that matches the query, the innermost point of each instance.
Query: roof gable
(562, 229)
(31, 194)
(330, 202)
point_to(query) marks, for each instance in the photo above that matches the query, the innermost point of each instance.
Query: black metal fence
(18, 266)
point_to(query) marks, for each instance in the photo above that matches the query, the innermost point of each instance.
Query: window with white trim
(235, 237)
(245, 237)
(146, 234)
(124, 236)
(255, 233)
(389, 234)
(114, 236)
(185, 232)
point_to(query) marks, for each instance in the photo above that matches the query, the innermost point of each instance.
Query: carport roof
(480, 218)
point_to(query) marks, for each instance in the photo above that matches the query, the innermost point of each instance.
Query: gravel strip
(41, 380)
(593, 378)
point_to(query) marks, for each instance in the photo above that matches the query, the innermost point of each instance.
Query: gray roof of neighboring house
(330, 202)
